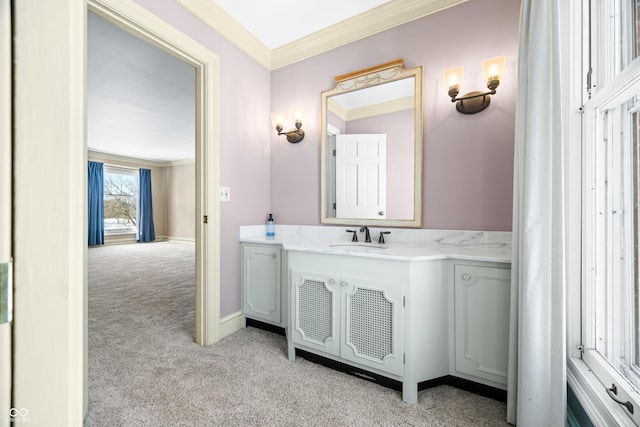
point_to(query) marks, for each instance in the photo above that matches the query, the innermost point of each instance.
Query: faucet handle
(355, 235)
(381, 238)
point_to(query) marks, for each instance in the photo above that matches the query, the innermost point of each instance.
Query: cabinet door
(315, 311)
(262, 282)
(372, 331)
(482, 321)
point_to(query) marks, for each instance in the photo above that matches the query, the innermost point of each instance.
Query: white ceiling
(140, 99)
(278, 22)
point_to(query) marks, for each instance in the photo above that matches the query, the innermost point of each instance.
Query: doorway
(137, 22)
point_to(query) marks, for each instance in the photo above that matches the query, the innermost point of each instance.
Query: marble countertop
(401, 244)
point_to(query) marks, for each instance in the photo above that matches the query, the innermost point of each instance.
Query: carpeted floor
(146, 370)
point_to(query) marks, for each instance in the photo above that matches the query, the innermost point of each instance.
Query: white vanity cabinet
(385, 316)
(356, 319)
(431, 306)
(481, 323)
(263, 298)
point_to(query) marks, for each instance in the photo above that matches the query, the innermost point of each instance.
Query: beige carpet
(146, 370)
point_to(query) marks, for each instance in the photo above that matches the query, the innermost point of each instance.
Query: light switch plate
(225, 194)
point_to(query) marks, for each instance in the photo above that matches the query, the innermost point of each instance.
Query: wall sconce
(474, 102)
(294, 135)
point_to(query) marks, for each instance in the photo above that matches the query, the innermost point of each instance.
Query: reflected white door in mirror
(361, 175)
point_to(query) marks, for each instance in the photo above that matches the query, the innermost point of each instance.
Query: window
(611, 193)
(120, 200)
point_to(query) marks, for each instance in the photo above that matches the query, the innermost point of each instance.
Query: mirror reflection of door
(330, 162)
(361, 175)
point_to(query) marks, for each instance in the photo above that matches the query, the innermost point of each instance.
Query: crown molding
(371, 110)
(337, 109)
(214, 16)
(381, 108)
(126, 161)
(381, 18)
(190, 161)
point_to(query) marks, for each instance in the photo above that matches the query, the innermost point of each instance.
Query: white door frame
(50, 198)
(141, 23)
(50, 190)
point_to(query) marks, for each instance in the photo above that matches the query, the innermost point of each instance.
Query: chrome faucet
(367, 236)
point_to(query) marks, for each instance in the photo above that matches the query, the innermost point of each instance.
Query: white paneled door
(5, 211)
(361, 176)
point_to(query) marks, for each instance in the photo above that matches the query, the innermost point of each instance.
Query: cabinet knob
(273, 256)
(332, 281)
(466, 277)
(344, 283)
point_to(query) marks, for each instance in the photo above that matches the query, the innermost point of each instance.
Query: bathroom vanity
(425, 305)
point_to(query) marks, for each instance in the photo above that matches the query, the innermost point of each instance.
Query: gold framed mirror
(371, 147)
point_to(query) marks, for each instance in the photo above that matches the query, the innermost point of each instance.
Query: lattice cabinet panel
(316, 309)
(373, 320)
(370, 324)
(316, 306)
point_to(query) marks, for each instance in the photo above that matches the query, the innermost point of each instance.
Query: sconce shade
(453, 80)
(277, 118)
(493, 70)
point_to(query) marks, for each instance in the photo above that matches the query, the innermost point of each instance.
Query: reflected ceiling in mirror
(371, 161)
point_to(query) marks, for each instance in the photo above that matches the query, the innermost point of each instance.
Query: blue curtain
(146, 231)
(96, 204)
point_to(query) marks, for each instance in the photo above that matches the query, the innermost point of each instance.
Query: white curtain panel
(537, 375)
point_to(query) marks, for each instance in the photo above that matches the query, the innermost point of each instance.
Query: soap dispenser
(270, 226)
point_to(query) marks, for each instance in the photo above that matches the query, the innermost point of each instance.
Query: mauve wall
(245, 128)
(468, 160)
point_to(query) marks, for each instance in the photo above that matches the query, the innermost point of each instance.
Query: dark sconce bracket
(294, 135)
(474, 102)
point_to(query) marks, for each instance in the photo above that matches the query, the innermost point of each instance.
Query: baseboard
(266, 326)
(230, 324)
(121, 239)
(351, 370)
(177, 239)
(450, 380)
(476, 388)
(127, 239)
(131, 238)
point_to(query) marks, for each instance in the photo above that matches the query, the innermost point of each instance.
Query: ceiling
(278, 22)
(141, 100)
